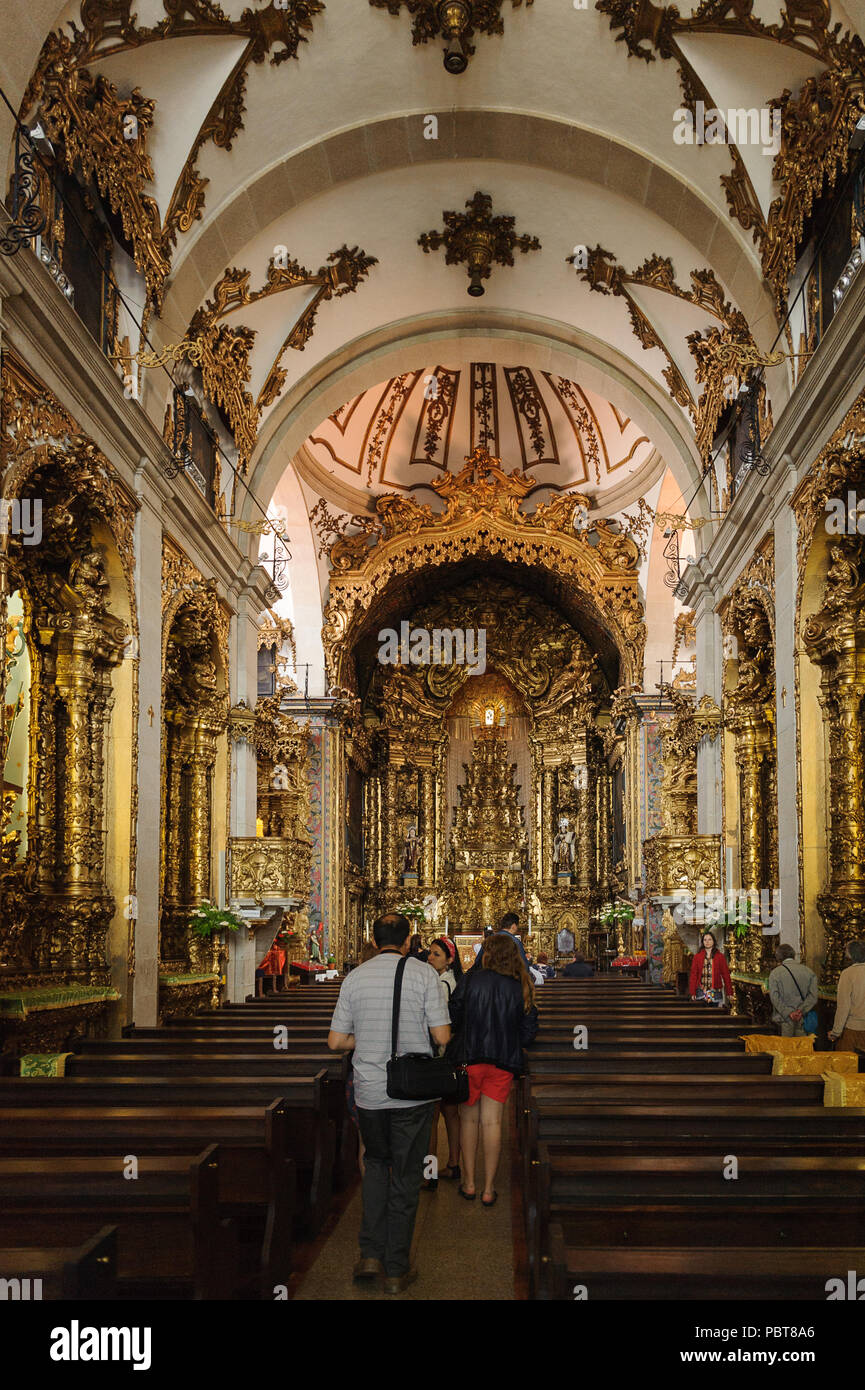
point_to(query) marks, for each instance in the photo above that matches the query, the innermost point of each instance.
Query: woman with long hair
(710, 975)
(494, 1016)
(444, 959)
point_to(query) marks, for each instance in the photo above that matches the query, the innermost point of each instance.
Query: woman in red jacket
(710, 976)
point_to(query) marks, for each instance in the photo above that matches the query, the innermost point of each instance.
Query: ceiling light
(454, 18)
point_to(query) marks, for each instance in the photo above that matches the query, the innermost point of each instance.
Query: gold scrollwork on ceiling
(483, 517)
(815, 126)
(721, 355)
(226, 349)
(109, 27)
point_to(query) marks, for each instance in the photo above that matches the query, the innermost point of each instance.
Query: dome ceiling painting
(403, 433)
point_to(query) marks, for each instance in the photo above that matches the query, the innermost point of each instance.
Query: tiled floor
(461, 1250)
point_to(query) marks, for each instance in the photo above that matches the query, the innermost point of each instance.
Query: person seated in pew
(849, 1026)
(710, 974)
(579, 968)
(793, 992)
(548, 971)
(536, 975)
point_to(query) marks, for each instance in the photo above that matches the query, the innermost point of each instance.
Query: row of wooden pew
(177, 1162)
(663, 1162)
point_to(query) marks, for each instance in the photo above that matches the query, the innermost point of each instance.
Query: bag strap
(795, 981)
(397, 995)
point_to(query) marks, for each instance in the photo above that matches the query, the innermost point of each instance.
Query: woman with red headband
(444, 959)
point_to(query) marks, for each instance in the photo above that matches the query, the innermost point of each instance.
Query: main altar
(503, 787)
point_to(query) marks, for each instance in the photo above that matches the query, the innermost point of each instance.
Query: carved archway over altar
(516, 808)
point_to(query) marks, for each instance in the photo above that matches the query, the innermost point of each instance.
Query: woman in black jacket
(494, 1017)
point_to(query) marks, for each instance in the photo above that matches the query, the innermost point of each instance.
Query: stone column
(152, 489)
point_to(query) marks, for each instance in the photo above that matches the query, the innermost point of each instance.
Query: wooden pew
(172, 1239)
(310, 1142)
(791, 1274)
(189, 1057)
(722, 1061)
(85, 1271)
(640, 1200)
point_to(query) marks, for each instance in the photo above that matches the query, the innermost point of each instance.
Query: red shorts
(486, 1080)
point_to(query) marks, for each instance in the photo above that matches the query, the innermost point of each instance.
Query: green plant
(616, 912)
(207, 919)
(414, 911)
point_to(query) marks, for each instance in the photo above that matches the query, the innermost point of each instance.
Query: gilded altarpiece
(71, 575)
(195, 720)
(749, 719)
(490, 784)
(832, 627)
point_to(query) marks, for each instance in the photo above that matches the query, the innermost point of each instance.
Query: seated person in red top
(710, 976)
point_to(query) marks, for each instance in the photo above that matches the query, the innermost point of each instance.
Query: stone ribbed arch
(490, 335)
(514, 137)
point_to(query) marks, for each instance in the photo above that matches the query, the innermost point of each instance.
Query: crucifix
(660, 685)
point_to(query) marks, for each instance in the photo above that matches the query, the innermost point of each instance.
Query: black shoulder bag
(416, 1076)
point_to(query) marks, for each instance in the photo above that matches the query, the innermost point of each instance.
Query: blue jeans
(396, 1142)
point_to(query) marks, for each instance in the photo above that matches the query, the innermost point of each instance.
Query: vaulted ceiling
(291, 130)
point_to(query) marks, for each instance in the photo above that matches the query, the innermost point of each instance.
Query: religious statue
(676, 954)
(411, 850)
(564, 847)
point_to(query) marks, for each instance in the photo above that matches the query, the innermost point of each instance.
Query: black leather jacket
(490, 1023)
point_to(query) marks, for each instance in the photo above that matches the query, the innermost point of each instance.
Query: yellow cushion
(767, 1042)
(843, 1090)
(785, 1064)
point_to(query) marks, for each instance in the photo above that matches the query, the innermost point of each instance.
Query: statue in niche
(411, 850)
(676, 956)
(564, 847)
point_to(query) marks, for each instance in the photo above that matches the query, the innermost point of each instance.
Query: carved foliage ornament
(722, 354)
(226, 349)
(815, 127)
(476, 239)
(457, 22)
(109, 27)
(483, 516)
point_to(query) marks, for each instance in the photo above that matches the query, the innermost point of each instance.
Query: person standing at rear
(494, 1015)
(395, 1133)
(849, 1024)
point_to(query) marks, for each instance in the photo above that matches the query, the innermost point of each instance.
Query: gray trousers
(396, 1142)
(790, 1029)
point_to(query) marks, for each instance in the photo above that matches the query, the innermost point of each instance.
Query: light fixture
(475, 238)
(454, 18)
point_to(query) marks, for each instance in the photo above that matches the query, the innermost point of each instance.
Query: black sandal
(492, 1203)
(451, 1173)
(469, 1196)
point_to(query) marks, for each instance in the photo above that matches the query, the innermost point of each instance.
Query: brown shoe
(366, 1270)
(396, 1283)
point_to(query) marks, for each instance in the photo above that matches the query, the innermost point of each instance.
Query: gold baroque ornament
(722, 355)
(109, 27)
(456, 21)
(84, 116)
(57, 906)
(483, 516)
(226, 349)
(477, 239)
(815, 126)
